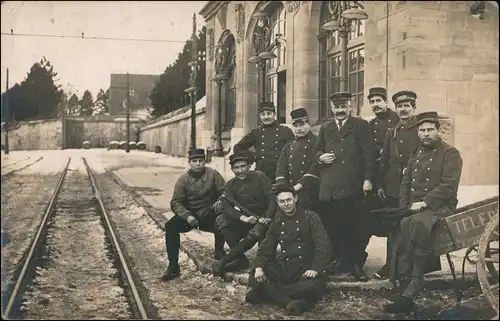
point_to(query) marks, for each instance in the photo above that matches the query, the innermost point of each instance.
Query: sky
(84, 64)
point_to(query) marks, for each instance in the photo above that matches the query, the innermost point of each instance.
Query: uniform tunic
(297, 164)
(255, 194)
(433, 176)
(268, 142)
(304, 246)
(399, 145)
(379, 126)
(353, 149)
(194, 196)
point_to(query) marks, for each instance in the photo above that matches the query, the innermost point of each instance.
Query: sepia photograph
(236, 160)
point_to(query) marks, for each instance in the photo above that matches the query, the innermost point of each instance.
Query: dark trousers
(177, 225)
(346, 223)
(281, 290)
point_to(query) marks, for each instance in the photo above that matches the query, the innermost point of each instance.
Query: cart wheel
(488, 262)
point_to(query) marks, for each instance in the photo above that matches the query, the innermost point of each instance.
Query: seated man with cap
(297, 164)
(248, 206)
(297, 278)
(268, 140)
(195, 205)
(429, 191)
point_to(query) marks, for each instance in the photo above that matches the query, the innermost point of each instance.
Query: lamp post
(262, 47)
(343, 13)
(7, 114)
(221, 75)
(197, 57)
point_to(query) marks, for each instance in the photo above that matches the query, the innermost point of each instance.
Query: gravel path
(78, 279)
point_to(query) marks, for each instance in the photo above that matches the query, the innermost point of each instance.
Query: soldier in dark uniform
(268, 140)
(429, 188)
(195, 205)
(253, 191)
(296, 279)
(399, 143)
(297, 164)
(345, 154)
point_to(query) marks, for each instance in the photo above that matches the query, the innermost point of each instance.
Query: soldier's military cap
(428, 116)
(377, 91)
(299, 115)
(239, 156)
(283, 188)
(266, 106)
(404, 95)
(196, 153)
(340, 96)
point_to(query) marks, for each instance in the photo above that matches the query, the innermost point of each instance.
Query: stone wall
(450, 59)
(172, 132)
(35, 134)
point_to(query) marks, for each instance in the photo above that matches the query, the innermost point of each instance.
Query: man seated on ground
(429, 190)
(297, 279)
(195, 205)
(249, 204)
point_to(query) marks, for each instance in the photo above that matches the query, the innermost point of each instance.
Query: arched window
(230, 111)
(276, 68)
(330, 63)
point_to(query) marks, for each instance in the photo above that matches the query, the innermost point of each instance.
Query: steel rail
(19, 169)
(35, 244)
(19, 161)
(130, 282)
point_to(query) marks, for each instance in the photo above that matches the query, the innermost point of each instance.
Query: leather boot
(295, 307)
(173, 271)
(219, 245)
(417, 280)
(237, 253)
(401, 305)
(382, 273)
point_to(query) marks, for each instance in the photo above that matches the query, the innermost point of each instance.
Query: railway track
(75, 267)
(12, 164)
(20, 165)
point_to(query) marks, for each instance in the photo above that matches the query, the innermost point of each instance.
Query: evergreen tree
(86, 104)
(101, 103)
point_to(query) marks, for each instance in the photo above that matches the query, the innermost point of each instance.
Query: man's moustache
(340, 113)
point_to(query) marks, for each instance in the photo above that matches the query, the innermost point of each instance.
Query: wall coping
(176, 118)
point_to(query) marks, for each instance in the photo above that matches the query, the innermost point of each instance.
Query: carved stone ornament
(211, 40)
(240, 22)
(221, 16)
(292, 6)
(446, 130)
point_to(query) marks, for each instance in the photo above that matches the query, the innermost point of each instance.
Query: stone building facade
(438, 49)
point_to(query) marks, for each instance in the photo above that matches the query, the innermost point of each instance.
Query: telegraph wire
(90, 38)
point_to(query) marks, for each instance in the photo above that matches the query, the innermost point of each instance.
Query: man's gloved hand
(192, 221)
(218, 206)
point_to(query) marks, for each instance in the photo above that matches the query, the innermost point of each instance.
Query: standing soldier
(297, 164)
(268, 140)
(345, 154)
(429, 190)
(399, 144)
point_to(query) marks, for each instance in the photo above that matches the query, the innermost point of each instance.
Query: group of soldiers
(320, 198)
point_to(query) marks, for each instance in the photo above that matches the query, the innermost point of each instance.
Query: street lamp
(262, 47)
(343, 13)
(221, 70)
(198, 58)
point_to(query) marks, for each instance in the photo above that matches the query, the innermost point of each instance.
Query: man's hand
(297, 187)
(381, 194)
(367, 186)
(327, 158)
(260, 276)
(310, 274)
(192, 221)
(251, 220)
(264, 220)
(418, 206)
(218, 206)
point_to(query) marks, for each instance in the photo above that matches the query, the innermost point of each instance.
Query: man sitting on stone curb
(297, 279)
(195, 205)
(249, 204)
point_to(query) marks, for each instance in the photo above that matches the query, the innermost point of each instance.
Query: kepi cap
(239, 156)
(196, 153)
(269, 105)
(404, 95)
(377, 91)
(283, 188)
(429, 116)
(340, 96)
(299, 115)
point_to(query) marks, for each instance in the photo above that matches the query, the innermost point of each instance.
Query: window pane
(334, 85)
(361, 28)
(352, 83)
(361, 81)
(339, 62)
(352, 61)
(361, 61)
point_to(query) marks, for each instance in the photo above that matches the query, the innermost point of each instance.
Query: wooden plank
(464, 228)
